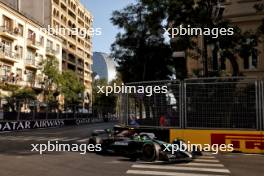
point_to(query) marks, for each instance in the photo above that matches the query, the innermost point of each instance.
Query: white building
(23, 46)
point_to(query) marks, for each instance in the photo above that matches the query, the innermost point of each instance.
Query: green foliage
(102, 103)
(71, 87)
(51, 70)
(65, 83)
(52, 81)
(24, 95)
(143, 54)
(55, 83)
(8, 87)
(140, 51)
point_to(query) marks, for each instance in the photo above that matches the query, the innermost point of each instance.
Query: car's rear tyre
(149, 152)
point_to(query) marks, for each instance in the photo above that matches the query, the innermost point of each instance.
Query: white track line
(207, 160)
(222, 170)
(69, 139)
(83, 140)
(205, 157)
(201, 164)
(141, 172)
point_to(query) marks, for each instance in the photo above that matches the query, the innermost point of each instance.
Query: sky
(102, 11)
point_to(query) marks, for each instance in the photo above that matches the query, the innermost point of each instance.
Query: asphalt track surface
(16, 158)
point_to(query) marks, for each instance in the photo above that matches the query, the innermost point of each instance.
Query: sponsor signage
(83, 121)
(21, 125)
(240, 141)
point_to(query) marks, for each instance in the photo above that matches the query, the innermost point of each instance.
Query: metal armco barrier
(202, 103)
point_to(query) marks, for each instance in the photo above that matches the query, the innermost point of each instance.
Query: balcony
(72, 60)
(51, 52)
(30, 62)
(16, 80)
(33, 84)
(80, 64)
(71, 14)
(9, 56)
(9, 33)
(33, 44)
(80, 53)
(88, 79)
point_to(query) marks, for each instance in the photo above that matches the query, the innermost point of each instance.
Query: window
(19, 51)
(49, 44)
(41, 40)
(252, 61)
(8, 23)
(30, 55)
(7, 46)
(41, 58)
(57, 48)
(31, 35)
(30, 76)
(19, 30)
(18, 74)
(5, 72)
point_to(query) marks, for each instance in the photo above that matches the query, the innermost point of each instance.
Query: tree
(101, 103)
(57, 83)
(71, 88)
(200, 14)
(20, 96)
(140, 51)
(52, 81)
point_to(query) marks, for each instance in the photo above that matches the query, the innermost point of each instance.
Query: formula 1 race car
(135, 146)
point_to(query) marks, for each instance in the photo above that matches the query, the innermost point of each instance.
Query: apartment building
(23, 47)
(72, 16)
(243, 14)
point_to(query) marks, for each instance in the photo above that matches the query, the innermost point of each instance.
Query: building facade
(67, 17)
(23, 48)
(243, 14)
(104, 66)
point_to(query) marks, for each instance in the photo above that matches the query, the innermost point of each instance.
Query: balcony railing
(9, 55)
(30, 61)
(8, 32)
(51, 51)
(14, 80)
(72, 60)
(81, 64)
(7, 29)
(32, 43)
